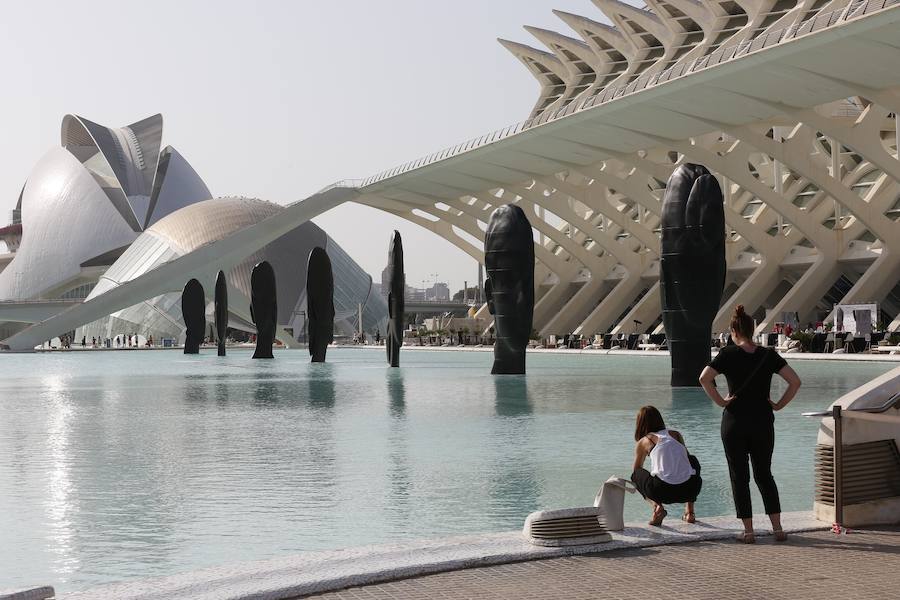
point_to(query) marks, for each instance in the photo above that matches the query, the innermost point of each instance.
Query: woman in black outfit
(748, 421)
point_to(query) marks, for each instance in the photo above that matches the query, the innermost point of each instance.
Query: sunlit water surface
(118, 465)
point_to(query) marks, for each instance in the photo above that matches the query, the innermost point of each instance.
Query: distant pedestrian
(83, 341)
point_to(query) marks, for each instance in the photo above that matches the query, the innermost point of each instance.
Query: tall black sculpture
(509, 258)
(193, 310)
(221, 302)
(692, 268)
(396, 300)
(263, 308)
(319, 303)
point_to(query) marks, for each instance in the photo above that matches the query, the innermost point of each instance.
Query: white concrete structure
(870, 437)
(84, 203)
(792, 103)
(198, 225)
(108, 206)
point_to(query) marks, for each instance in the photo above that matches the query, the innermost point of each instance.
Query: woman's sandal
(780, 535)
(745, 537)
(689, 518)
(657, 521)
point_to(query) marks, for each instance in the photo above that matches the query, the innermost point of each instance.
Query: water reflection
(689, 397)
(399, 478)
(321, 394)
(511, 397)
(122, 465)
(221, 390)
(266, 390)
(396, 393)
(516, 485)
(195, 390)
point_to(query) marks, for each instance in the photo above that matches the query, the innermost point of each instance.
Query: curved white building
(202, 223)
(109, 205)
(85, 202)
(792, 103)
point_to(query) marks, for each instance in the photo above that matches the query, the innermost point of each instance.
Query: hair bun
(739, 311)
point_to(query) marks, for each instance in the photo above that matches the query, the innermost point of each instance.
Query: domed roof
(88, 200)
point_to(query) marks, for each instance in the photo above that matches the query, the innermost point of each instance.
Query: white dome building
(85, 202)
(178, 234)
(109, 205)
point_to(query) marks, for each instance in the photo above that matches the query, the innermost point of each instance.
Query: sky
(277, 99)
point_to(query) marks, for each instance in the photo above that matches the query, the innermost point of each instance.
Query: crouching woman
(674, 475)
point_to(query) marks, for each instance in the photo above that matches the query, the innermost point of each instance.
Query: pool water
(120, 465)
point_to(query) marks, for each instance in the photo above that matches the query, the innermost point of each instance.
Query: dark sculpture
(396, 301)
(221, 302)
(193, 310)
(263, 308)
(509, 288)
(319, 303)
(692, 268)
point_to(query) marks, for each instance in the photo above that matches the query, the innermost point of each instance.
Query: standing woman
(748, 421)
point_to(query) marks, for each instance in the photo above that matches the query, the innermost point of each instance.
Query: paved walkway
(815, 566)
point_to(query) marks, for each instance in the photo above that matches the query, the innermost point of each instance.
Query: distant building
(415, 294)
(439, 292)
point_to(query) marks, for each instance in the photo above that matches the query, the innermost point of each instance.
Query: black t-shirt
(749, 375)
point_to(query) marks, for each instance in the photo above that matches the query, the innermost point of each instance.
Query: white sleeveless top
(669, 459)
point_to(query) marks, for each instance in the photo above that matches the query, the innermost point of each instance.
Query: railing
(723, 54)
(343, 183)
(838, 414)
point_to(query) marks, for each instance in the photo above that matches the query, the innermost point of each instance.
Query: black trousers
(654, 488)
(753, 439)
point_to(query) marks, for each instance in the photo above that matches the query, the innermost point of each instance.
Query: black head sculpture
(221, 303)
(509, 259)
(396, 300)
(263, 308)
(692, 268)
(319, 303)
(193, 310)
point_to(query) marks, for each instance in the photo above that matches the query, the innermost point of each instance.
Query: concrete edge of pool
(318, 572)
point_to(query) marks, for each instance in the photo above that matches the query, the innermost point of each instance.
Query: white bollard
(611, 502)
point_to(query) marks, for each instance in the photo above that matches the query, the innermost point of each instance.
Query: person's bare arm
(676, 435)
(708, 381)
(793, 381)
(641, 451)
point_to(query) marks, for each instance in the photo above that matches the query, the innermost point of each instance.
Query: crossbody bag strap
(755, 371)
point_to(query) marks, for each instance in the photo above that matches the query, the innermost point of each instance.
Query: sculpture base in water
(193, 311)
(692, 358)
(692, 268)
(263, 308)
(221, 311)
(509, 362)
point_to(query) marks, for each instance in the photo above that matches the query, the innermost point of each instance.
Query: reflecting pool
(117, 465)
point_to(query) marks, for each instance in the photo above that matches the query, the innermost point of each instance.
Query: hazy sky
(278, 99)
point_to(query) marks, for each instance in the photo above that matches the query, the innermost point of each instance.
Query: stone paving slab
(318, 572)
(809, 566)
